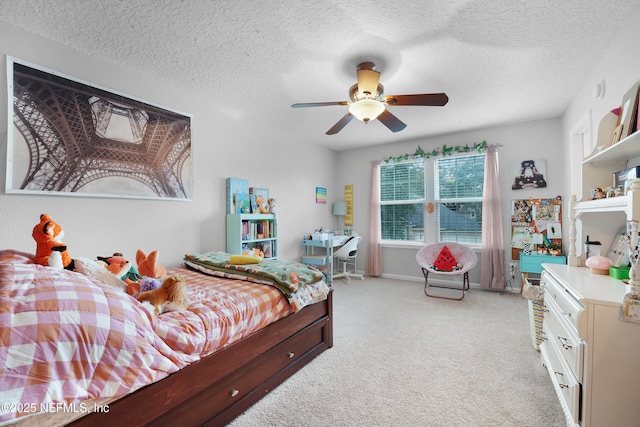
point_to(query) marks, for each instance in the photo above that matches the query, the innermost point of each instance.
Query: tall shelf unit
(596, 170)
(248, 231)
(589, 352)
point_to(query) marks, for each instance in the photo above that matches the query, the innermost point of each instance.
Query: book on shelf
(238, 196)
(254, 203)
(266, 249)
(252, 230)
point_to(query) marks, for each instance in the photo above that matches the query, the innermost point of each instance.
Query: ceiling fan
(369, 103)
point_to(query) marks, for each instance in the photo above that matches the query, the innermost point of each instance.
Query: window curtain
(374, 250)
(492, 252)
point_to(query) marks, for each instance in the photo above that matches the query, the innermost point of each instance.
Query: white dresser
(592, 357)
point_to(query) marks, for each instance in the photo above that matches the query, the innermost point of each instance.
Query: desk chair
(347, 255)
(462, 253)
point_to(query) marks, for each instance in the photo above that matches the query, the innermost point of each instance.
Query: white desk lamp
(340, 210)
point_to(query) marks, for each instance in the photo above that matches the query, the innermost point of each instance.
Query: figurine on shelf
(597, 193)
(555, 250)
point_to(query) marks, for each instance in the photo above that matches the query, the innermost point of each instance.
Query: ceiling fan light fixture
(366, 109)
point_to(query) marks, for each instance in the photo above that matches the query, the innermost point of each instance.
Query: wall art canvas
(321, 195)
(69, 137)
(529, 174)
(348, 197)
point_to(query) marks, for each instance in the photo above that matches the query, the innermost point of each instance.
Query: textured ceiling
(499, 61)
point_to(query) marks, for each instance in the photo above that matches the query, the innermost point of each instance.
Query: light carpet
(403, 359)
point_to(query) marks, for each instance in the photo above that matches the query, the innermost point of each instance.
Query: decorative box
(621, 273)
(621, 176)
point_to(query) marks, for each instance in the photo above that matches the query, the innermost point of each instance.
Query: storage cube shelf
(322, 260)
(248, 231)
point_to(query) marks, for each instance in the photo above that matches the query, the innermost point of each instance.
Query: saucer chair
(462, 256)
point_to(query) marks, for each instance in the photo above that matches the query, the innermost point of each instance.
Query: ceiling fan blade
(341, 123)
(368, 81)
(392, 122)
(319, 104)
(425, 99)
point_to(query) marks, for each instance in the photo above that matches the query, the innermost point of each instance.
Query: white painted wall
(548, 139)
(227, 143)
(224, 143)
(619, 69)
(538, 140)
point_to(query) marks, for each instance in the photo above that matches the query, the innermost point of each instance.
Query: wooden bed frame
(218, 388)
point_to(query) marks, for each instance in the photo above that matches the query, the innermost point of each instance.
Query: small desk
(325, 259)
(532, 263)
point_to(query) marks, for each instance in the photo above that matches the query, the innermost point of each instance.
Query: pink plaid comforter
(66, 338)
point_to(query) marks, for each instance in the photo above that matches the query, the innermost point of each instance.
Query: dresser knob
(560, 374)
(234, 392)
(291, 354)
(564, 340)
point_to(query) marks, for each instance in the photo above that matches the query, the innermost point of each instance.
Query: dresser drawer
(562, 334)
(570, 309)
(564, 382)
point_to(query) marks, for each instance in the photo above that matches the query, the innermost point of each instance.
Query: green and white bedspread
(301, 284)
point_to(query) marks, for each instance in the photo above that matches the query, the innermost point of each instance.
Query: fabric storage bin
(536, 315)
(535, 297)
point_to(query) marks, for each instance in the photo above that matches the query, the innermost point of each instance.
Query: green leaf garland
(480, 147)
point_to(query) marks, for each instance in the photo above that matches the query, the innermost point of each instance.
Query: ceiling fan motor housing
(355, 94)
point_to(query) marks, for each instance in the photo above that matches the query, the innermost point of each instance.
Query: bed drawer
(243, 381)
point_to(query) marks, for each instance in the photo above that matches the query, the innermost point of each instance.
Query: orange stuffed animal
(147, 267)
(170, 296)
(50, 250)
(261, 205)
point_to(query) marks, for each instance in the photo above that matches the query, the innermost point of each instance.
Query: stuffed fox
(50, 250)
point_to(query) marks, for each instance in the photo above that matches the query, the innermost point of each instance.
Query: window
(458, 197)
(456, 190)
(402, 200)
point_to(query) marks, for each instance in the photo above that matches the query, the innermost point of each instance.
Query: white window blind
(458, 193)
(456, 190)
(402, 198)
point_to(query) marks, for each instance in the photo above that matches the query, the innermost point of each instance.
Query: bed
(78, 351)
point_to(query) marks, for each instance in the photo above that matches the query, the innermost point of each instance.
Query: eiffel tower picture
(72, 138)
(529, 176)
